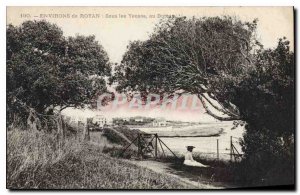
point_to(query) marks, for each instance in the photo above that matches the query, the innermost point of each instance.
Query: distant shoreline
(182, 136)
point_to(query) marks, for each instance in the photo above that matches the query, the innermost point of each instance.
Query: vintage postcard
(150, 98)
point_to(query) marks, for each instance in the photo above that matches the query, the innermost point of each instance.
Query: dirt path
(165, 168)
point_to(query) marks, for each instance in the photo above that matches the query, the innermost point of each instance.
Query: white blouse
(188, 156)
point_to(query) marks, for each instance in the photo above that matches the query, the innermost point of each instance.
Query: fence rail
(162, 147)
(227, 149)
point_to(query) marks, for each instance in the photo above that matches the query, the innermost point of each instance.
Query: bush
(113, 137)
(268, 159)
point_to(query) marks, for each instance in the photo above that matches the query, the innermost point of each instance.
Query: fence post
(88, 132)
(139, 145)
(230, 148)
(60, 132)
(85, 132)
(155, 146)
(218, 149)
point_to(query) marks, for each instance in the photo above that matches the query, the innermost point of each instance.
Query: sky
(115, 27)
(115, 33)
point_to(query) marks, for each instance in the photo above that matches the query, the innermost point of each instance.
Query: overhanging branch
(209, 112)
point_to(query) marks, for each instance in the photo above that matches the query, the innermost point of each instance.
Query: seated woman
(189, 161)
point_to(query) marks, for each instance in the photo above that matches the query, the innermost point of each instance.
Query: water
(207, 145)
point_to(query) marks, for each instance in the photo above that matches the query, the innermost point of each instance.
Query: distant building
(75, 120)
(138, 119)
(126, 119)
(159, 122)
(101, 121)
(122, 119)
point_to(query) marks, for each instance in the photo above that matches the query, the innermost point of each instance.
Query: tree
(45, 69)
(189, 55)
(266, 98)
(221, 61)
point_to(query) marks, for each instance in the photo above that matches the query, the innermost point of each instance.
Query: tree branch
(209, 112)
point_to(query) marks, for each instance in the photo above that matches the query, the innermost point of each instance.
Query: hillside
(34, 162)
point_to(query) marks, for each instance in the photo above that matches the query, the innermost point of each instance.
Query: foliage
(45, 69)
(188, 55)
(264, 95)
(115, 138)
(267, 101)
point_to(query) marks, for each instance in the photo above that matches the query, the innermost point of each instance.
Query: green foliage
(45, 69)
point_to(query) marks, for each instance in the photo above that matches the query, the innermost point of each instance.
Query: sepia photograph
(150, 98)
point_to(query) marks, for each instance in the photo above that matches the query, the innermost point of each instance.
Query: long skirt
(193, 163)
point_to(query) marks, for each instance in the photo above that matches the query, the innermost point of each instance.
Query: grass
(236, 174)
(219, 171)
(35, 161)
